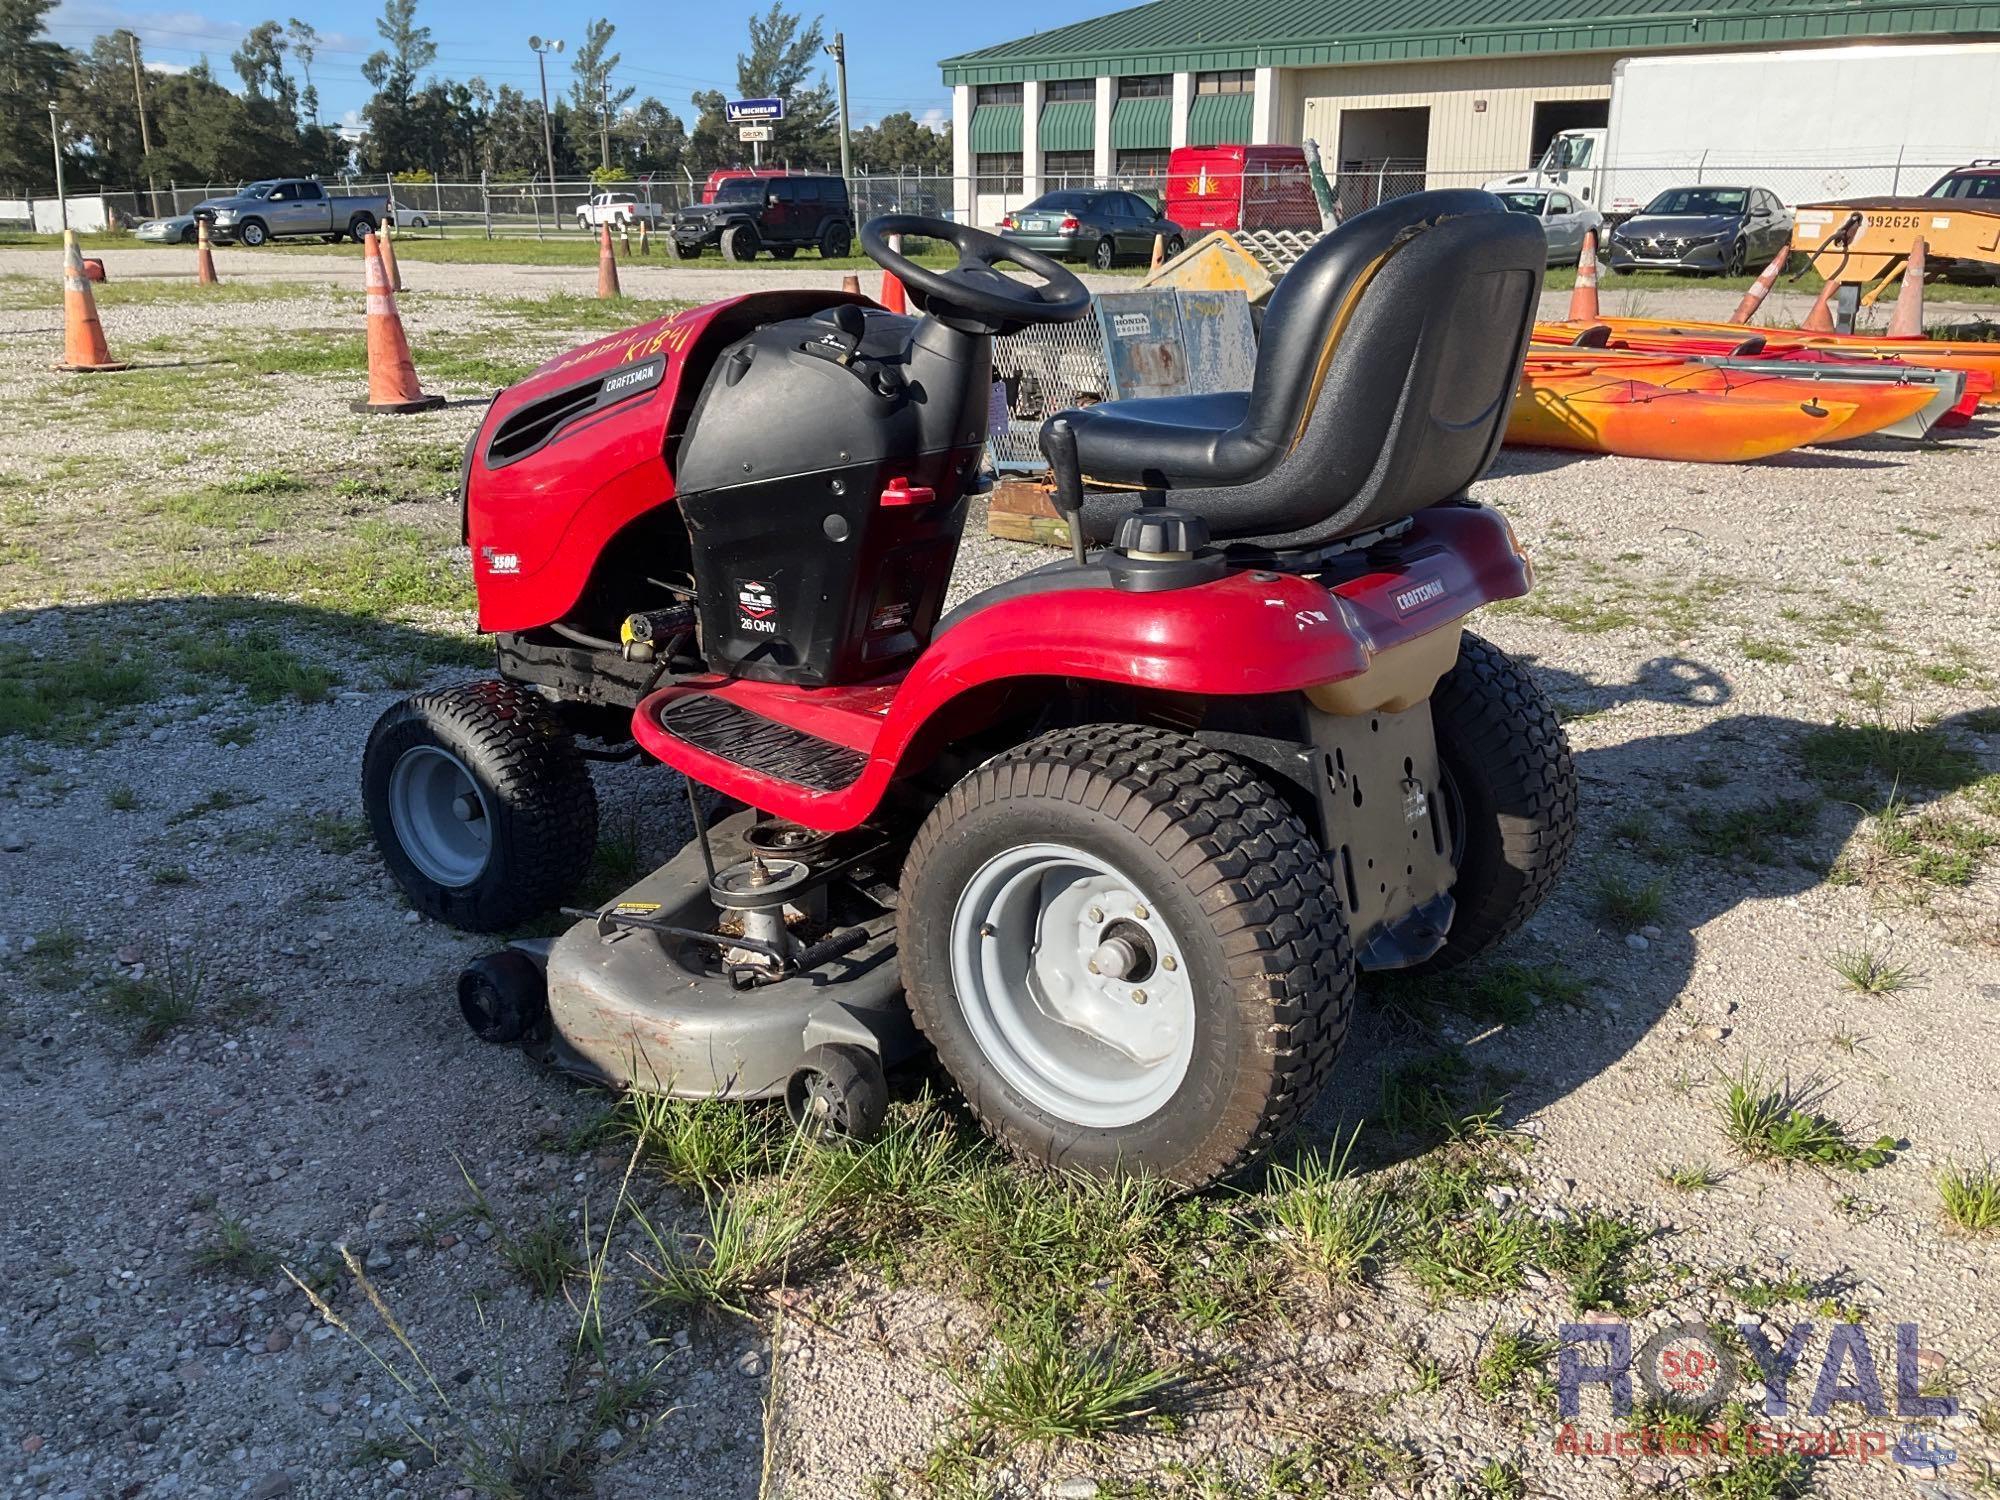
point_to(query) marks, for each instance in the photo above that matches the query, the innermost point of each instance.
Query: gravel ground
(1694, 625)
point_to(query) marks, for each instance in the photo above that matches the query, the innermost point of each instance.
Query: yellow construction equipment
(1866, 241)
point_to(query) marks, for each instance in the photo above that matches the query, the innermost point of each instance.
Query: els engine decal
(756, 610)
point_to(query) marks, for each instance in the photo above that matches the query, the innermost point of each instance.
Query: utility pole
(55, 141)
(838, 48)
(145, 135)
(541, 50)
(604, 100)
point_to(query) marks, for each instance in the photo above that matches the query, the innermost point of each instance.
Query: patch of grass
(121, 799)
(61, 696)
(222, 799)
(1593, 1252)
(234, 1250)
(260, 663)
(155, 1006)
(1763, 1294)
(171, 875)
(1753, 833)
(1333, 1226)
(752, 1240)
(1425, 1098)
(1499, 1480)
(1509, 1357)
(701, 1142)
(1689, 1177)
(331, 833)
(1752, 1475)
(1044, 1384)
(1771, 653)
(1970, 1196)
(1868, 970)
(545, 1257)
(1455, 1240)
(1621, 904)
(1850, 758)
(54, 958)
(1783, 1123)
(1935, 847)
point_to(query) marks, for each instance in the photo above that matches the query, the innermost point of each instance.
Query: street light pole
(55, 141)
(541, 50)
(838, 48)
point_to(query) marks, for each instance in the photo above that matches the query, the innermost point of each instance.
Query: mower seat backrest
(1387, 364)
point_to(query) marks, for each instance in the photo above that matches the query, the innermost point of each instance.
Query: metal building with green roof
(1454, 89)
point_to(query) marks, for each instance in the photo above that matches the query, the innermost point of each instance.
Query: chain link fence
(515, 208)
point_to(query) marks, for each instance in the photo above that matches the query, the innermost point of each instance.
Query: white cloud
(937, 119)
(170, 69)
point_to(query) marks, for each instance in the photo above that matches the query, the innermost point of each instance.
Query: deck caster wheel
(503, 996)
(481, 805)
(838, 1090)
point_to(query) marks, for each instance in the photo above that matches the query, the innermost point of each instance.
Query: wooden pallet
(1020, 510)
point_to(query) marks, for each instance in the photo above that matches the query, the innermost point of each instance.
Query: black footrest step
(760, 744)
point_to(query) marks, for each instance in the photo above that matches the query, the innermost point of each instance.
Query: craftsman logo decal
(623, 382)
(1423, 593)
(756, 610)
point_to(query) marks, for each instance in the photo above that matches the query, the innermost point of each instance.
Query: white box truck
(1808, 124)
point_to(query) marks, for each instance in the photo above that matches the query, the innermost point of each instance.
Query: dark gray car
(1700, 228)
(1100, 225)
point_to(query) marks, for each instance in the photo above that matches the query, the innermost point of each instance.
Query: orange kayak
(1589, 411)
(1876, 404)
(1660, 335)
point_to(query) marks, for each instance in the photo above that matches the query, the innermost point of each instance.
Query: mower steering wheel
(975, 296)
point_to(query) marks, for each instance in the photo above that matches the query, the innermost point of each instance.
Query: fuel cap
(1157, 534)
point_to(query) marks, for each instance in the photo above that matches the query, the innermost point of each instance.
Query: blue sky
(670, 50)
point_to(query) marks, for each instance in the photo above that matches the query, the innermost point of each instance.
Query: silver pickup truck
(281, 206)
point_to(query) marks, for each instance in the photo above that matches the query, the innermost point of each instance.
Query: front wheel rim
(1101, 1047)
(441, 816)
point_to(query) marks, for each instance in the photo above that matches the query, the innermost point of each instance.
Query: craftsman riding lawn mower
(1114, 837)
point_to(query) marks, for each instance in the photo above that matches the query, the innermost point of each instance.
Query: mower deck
(636, 1007)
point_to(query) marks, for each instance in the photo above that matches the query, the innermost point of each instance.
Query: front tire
(1128, 952)
(189, 235)
(1511, 792)
(252, 233)
(481, 805)
(739, 242)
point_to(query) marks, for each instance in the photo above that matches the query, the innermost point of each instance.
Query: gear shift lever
(1058, 443)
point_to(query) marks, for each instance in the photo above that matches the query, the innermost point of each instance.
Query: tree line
(202, 128)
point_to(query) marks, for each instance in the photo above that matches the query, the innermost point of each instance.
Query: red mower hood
(576, 452)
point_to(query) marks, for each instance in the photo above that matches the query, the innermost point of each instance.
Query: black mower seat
(1385, 368)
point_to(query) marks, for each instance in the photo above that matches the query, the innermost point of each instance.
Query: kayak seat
(1385, 369)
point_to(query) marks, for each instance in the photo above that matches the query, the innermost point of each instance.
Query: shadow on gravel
(1740, 808)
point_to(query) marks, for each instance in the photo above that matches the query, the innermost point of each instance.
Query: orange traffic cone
(1159, 253)
(84, 348)
(625, 238)
(1761, 288)
(607, 265)
(1907, 321)
(1583, 301)
(851, 284)
(1819, 317)
(204, 256)
(392, 378)
(394, 271)
(645, 236)
(892, 290)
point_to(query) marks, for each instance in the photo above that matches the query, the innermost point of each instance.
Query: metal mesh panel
(1045, 370)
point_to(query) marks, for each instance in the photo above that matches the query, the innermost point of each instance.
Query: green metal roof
(1142, 124)
(1219, 119)
(1069, 126)
(996, 127)
(1194, 35)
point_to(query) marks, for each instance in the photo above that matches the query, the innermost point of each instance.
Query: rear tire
(836, 241)
(1511, 786)
(1105, 256)
(1229, 925)
(1174, 246)
(480, 804)
(739, 242)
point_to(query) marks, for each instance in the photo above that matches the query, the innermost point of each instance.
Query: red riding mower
(1114, 837)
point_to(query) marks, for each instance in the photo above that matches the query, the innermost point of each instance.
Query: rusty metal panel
(1219, 341)
(1142, 343)
(1218, 262)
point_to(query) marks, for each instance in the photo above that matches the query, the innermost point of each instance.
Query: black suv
(779, 214)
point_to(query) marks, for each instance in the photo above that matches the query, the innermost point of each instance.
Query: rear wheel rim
(440, 815)
(1101, 1049)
